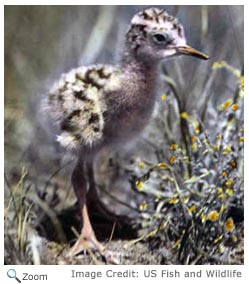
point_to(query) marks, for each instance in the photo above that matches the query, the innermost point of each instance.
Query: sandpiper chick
(100, 106)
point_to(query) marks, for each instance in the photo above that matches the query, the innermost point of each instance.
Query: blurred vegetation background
(41, 42)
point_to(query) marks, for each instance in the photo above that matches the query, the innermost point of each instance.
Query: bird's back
(76, 104)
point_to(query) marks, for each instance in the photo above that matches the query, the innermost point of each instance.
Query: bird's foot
(98, 208)
(90, 244)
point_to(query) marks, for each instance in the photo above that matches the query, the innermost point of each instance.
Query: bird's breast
(129, 117)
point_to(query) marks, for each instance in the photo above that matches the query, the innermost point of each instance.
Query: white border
(124, 2)
(62, 273)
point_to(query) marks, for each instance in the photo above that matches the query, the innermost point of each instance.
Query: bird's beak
(188, 50)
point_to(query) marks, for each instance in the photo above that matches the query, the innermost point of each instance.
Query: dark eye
(161, 38)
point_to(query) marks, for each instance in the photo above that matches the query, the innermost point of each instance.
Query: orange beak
(188, 50)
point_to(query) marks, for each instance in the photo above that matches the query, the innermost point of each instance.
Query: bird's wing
(76, 104)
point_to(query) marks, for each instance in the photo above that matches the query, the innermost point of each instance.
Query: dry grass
(195, 191)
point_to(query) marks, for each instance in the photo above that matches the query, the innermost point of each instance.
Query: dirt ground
(127, 245)
(124, 244)
(124, 253)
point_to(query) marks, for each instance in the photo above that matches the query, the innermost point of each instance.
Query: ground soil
(124, 252)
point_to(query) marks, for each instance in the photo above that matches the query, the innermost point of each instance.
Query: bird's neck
(140, 70)
(133, 61)
(139, 85)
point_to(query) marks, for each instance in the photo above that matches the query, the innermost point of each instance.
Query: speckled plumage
(76, 104)
(100, 105)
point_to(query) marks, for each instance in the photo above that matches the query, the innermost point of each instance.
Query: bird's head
(156, 35)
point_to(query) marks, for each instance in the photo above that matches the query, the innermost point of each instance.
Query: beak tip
(188, 50)
(206, 57)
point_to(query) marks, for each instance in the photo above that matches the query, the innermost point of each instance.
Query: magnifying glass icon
(11, 273)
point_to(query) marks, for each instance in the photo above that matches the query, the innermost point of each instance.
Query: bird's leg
(93, 197)
(87, 239)
(92, 194)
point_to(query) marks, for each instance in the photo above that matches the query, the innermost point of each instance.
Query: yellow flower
(227, 150)
(163, 166)
(173, 146)
(143, 206)
(224, 174)
(229, 182)
(194, 147)
(195, 124)
(197, 130)
(172, 159)
(192, 209)
(213, 215)
(219, 137)
(217, 147)
(142, 165)
(222, 196)
(229, 192)
(139, 185)
(184, 115)
(163, 97)
(219, 190)
(229, 225)
(173, 201)
(241, 139)
(225, 105)
(234, 107)
(193, 139)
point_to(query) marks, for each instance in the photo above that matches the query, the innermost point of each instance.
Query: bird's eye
(161, 38)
